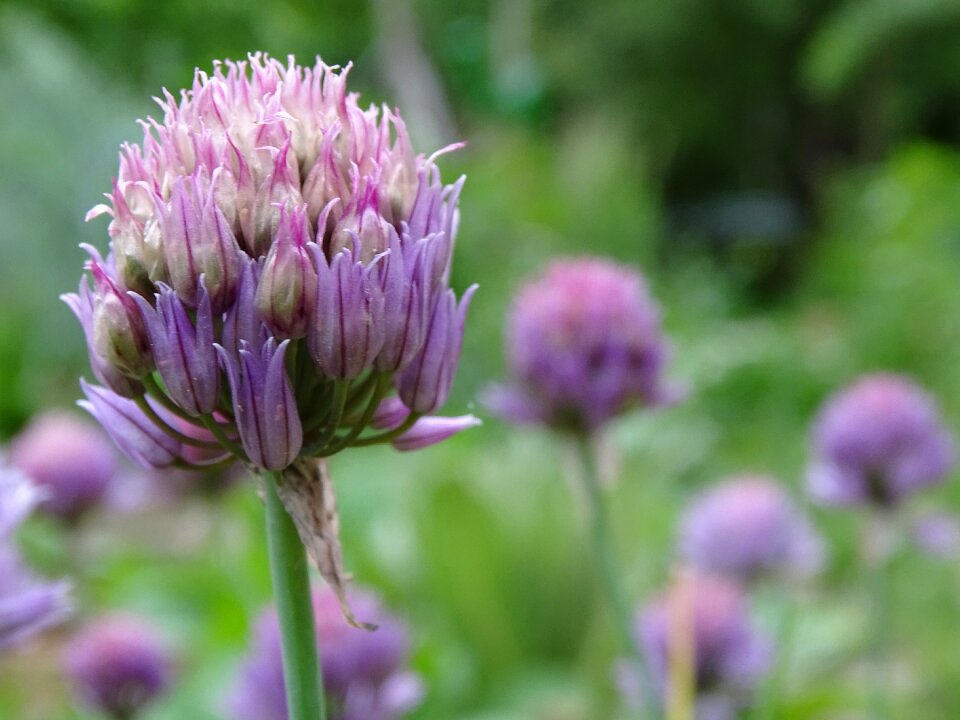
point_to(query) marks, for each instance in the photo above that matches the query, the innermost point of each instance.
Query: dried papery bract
(279, 267)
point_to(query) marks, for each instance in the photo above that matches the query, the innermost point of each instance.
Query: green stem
(148, 410)
(339, 443)
(772, 689)
(389, 434)
(880, 648)
(291, 588)
(600, 535)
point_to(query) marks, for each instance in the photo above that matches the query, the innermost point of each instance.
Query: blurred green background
(787, 174)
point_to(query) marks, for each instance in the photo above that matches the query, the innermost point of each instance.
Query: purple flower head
(365, 673)
(27, 605)
(706, 620)
(747, 528)
(266, 212)
(584, 344)
(70, 459)
(271, 236)
(877, 442)
(117, 666)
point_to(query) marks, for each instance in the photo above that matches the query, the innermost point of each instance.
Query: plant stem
(880, 647)
(291, 588)
(610, 578)
(772, 689)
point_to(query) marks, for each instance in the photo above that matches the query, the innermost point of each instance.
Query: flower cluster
(700, 627)
(584, 345)
(27, 605)
(72, 461)
(117, 666)
(365, 674)
(279, 264)
(877, 442)
(747, 528)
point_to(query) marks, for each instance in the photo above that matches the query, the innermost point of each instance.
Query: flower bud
(287, 293)
(406, 294)
(218, 256)
(425, 384)
(346, 330)
(280, 189)
(131, 431)
(119, 335)
(431, 430)
(263, 404)
(363, 226)
(183, 351)
(81, 303)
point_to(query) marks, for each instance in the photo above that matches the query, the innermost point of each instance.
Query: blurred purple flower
(937, 533)
(365, 672)
(877, 442)
(729, 657)
(70, 459)
(27, 605)
(584, 344)
(117, 666)
(746, 528)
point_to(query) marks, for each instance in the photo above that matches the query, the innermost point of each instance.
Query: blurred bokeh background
(786, 174)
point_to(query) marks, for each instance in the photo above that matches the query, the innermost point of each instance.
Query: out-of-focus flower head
(117, 666)
(70, 459)
(584, 344)
(27, 605)
(877, 442)
(279, 266)
(748, 527)
(365, 673)
(704, 619)
(272, 238)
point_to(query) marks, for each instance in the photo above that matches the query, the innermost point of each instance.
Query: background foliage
(788, 176)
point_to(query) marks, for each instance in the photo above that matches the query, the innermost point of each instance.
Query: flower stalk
(607, 566)
(291, 587)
